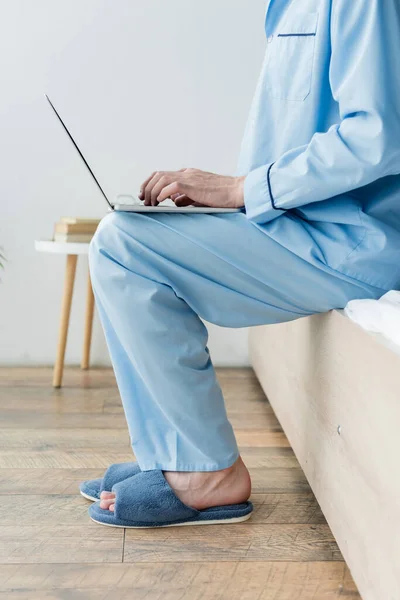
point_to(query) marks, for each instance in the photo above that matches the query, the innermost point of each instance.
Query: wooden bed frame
(335, 389)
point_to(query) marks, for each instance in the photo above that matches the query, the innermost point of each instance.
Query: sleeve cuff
(258, 198)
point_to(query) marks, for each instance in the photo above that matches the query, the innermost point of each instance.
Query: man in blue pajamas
(319, 189)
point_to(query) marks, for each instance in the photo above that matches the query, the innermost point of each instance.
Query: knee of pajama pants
(105, 244)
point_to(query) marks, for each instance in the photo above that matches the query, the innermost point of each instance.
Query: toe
(107, 495)
(105, 504)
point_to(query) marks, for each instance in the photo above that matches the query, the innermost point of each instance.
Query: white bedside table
(72, 251)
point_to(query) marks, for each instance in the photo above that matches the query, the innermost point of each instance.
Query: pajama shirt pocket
(291, 57)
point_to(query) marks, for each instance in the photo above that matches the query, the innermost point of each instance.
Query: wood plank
(255, 458)
(245, 542)
(241, 389)
(56, 418)
(74, 377)
(235, 374)
(287, 508)
(25, 407)
(54, 439)
(66, 480)
(45, 401)
(261, 438)
(278, 481)
(85, 458)
(92, 448)
(62, 459)
(253, 422)
(44, 481)
(64, 509)
(44, 510)
(11, 419)
(83, 541)
(241, 417)
(273, 457)
(55, 543)
(236, 405)
(179, 581)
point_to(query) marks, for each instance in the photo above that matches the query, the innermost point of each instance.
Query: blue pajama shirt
(320, 227)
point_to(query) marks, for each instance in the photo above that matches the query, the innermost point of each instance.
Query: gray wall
(144, 85)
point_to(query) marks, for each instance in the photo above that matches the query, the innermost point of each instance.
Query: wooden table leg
(65, 313)
(88, 325)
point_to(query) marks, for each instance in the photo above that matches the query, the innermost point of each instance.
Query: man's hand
(193, 187)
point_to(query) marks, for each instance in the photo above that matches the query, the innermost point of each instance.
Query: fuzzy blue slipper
(92, 488)
(147, 500)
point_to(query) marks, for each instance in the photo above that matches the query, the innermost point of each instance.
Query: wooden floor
(49, 549)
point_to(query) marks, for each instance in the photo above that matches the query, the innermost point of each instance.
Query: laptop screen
(80, 153)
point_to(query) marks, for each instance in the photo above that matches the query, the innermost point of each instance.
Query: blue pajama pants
(154, 277)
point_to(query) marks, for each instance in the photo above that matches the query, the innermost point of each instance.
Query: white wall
(144, 85)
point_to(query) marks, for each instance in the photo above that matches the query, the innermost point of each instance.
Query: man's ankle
(203, 490)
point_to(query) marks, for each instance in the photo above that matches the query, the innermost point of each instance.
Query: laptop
(137, 205)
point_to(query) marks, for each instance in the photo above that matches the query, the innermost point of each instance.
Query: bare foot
(216, 488)
(202, 490)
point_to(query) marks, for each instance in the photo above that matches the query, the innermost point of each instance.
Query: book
(82, 238)
(76, 220)
(76, 227)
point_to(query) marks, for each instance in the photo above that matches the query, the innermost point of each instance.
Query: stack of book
(73, 229)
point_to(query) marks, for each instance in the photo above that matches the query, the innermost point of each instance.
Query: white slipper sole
(187, 523)
(91, 498)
